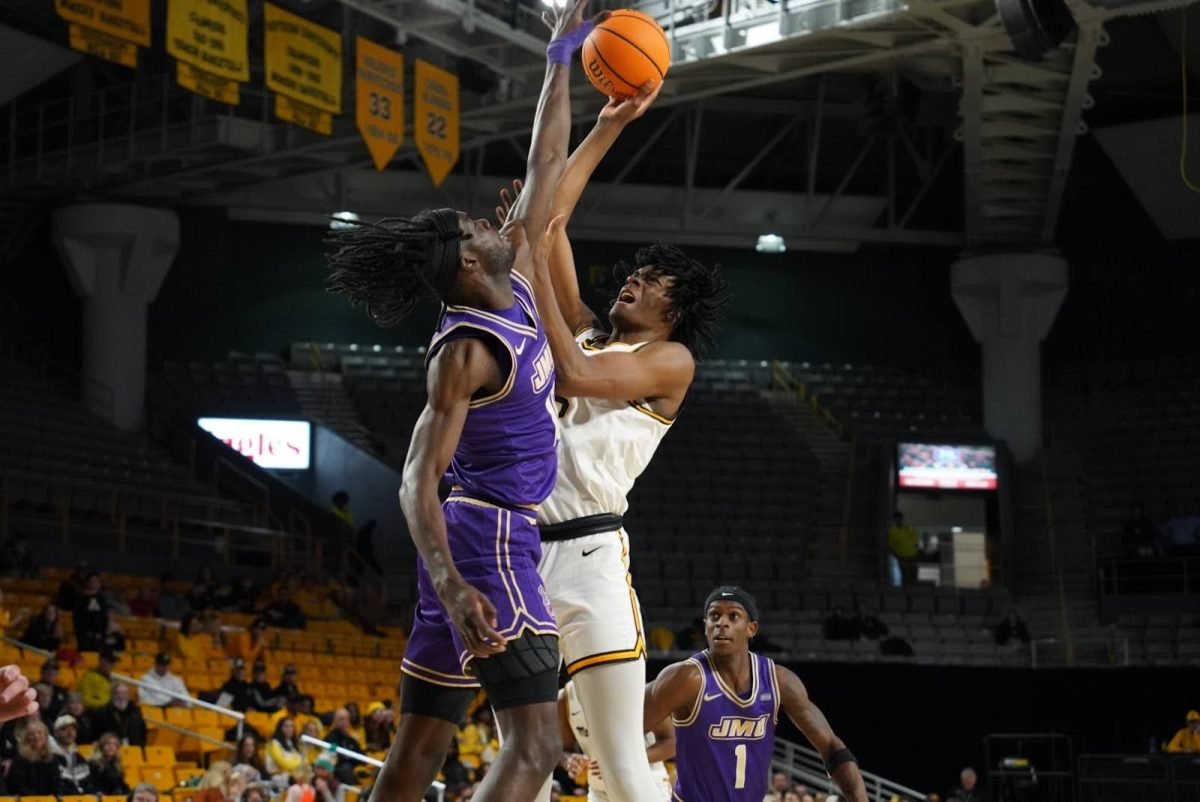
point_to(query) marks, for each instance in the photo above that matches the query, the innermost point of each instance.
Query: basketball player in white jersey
(576, 733)
(621, 389)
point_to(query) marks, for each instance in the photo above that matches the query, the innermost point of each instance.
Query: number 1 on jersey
(739, 779)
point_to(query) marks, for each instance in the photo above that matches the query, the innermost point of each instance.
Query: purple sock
(559, 51)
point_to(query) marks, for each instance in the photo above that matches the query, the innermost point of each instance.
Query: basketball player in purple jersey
(724, 703)
(489, 427)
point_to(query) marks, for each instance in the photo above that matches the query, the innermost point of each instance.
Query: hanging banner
(435, 123)
(128, 20)
(379, 99)
(304, 115)
(101, 45)
(303, 60)
(213, 87)
(210, 35)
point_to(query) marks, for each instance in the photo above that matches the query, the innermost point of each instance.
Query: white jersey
(603, 447)
(579, 727)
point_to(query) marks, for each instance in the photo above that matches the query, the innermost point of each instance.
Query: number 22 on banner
(435, 101)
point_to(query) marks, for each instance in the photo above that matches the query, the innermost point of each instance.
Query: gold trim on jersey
(425, 674)
(583, 328)
(646, 410)
(620, 655)
(465, 499)
(526, 283)
(503, 392)
(698, 703)
(730, 694)
(528, 331)
(774, 687)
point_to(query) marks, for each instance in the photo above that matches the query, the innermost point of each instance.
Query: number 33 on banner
(379, 100)
(435, 127)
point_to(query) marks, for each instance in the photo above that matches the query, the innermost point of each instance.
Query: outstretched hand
(624, 110)
(518, 235)
(566, 19)
(508, 200)
(17, 699)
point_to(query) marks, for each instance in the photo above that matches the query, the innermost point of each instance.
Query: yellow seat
(39, 799)
(113, 798)
(202, 717)
(215, 733)
(158, 755)
(131, 756)
(183, 775)
(161, 777)
(184, 794)
(8, 799)
(76, 798)
(180, 716)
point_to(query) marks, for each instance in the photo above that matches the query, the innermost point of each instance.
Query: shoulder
(461, 364)
(682, 677)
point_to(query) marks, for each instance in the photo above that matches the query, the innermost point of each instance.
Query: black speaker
(1035, 26)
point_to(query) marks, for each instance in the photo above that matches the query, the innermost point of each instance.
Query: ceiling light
(342, 220)
(770, 243)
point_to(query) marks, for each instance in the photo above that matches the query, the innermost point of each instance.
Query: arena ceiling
(833, 123)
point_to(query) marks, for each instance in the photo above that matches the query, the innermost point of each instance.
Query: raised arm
(551, 127)
(456, 372)
(660, 369)
(811, 721)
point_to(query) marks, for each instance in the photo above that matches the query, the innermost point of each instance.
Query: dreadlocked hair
(698, 294)
(384, 266)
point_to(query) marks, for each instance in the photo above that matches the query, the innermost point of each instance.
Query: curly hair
(699, 294)
(388, 266)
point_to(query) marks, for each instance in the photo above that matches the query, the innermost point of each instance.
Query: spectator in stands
(258, 792)
(341, 508)
(70, 589)
(356, 729)
(968, 789)
(215, 642)
(328, 787)
(283, 753)
(1011, 630)
(11, 619)
(364, 544)
(339, 735)
(121, 717)
(311, 728)
(263, 698)
(107, 772)
(96, 683)
(192, 641)
(159, 678)
(902, 551)
(250, 644)
(58, 693)
(114, 636)
(869, 625)
(236, 692)
(85, 732)
(214, 785)
(243, 596)
(35, 771)
(247, 754)
(43, 693)
(287, 688)
(779, 784)
(75, 773)
(692, 637)
(840, 626)
(475, 741)
(283, 612)
(144, 603)
(144, 792)
(379, 726)
(18, 558)
(454, 774)
(44, 630)
(170, 603)
(301, 787)
(90, 615)
(1187, 740)
(1139, 538)
(791, 796)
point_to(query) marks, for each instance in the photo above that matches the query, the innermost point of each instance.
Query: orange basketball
(624, 52)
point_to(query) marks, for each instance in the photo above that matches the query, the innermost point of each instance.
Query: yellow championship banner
(204, 83)
(128, 20)
(304, 115)
(435, 127)
(303, 60)
(210, 35)
(109, 48)
(379, 99)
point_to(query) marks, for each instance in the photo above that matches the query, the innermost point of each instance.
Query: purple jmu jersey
(503, 468)
(507, 452)
(723, 749)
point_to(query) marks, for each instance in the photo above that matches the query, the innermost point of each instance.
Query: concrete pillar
(1009, 301)
(117, 257)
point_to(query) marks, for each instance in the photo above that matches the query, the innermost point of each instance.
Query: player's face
(642, 302)
(727, 628)
(483, 242)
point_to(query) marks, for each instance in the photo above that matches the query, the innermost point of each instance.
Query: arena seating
(887, 403)
(243, 384)
(59, 459)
